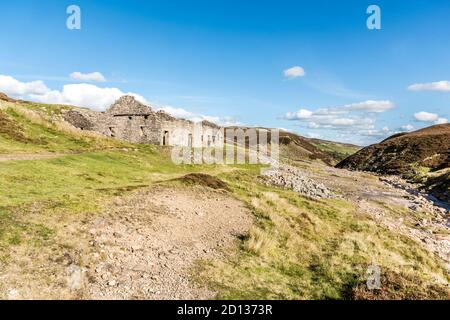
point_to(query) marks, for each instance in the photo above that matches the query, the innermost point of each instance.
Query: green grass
(39, 198)
(340, 151)
(48, 109)
(38, 180)
(298, 248)
(90, 169)
(307, 249)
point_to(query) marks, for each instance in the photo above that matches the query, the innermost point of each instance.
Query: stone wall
(130, 120)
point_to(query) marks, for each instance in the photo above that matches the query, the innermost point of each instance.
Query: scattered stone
(74, 277)
(291, 178)
(112, 283)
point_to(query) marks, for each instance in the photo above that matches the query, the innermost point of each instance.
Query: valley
(84, 216)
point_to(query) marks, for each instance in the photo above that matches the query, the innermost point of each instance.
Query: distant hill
(422, 155)
(294, 147)
(338, 150)
(4, 97)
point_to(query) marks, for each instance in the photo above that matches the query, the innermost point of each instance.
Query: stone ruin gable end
(130, 120)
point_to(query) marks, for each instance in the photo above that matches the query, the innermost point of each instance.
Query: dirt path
(142, 246)
(147, 243)
(31, 156)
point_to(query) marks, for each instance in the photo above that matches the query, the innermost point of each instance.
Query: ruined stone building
(128, 119)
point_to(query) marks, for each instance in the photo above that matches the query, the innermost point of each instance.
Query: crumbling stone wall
(129, 120)
(78, 120)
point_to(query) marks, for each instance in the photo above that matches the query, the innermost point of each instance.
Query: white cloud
(371, 106)
(432, 86)
(430, 117)
(81, 94)
(93, 76)
(18, 89)
(313, 125)
(84, 95)
(426, 116)
(407, 127)
(341, 121)
(93, 97)
(354, 122)
(300, 114)
(294, 72)
(441, 121)
(351, 115)
(313, 135)
(182, 113)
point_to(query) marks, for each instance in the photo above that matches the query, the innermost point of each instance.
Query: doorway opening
(165, 141)
(112, 132)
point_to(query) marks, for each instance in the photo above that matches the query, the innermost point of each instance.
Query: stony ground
(143, 246)
(388, 200)
(294, 179)
(147, 243)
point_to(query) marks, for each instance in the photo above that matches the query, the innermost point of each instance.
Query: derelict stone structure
(128, 119)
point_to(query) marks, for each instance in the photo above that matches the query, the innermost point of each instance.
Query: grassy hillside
(298, 247)
(308, 249)
(340, 151)
(294, 147)
(35, 128)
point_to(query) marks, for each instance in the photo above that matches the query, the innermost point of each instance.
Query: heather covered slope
(429, 147)
(421, 156)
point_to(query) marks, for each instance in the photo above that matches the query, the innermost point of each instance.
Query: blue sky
(225, 61)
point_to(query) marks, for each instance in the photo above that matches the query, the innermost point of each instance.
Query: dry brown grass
(391, 285)
(55, 123)
(205, 180)
(259, 242)
(11, 129)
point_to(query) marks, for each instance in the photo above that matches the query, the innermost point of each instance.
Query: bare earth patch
(142, 246)
(147, 243)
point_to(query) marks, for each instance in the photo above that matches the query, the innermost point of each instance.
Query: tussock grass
(307, 249)
(259, 242)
